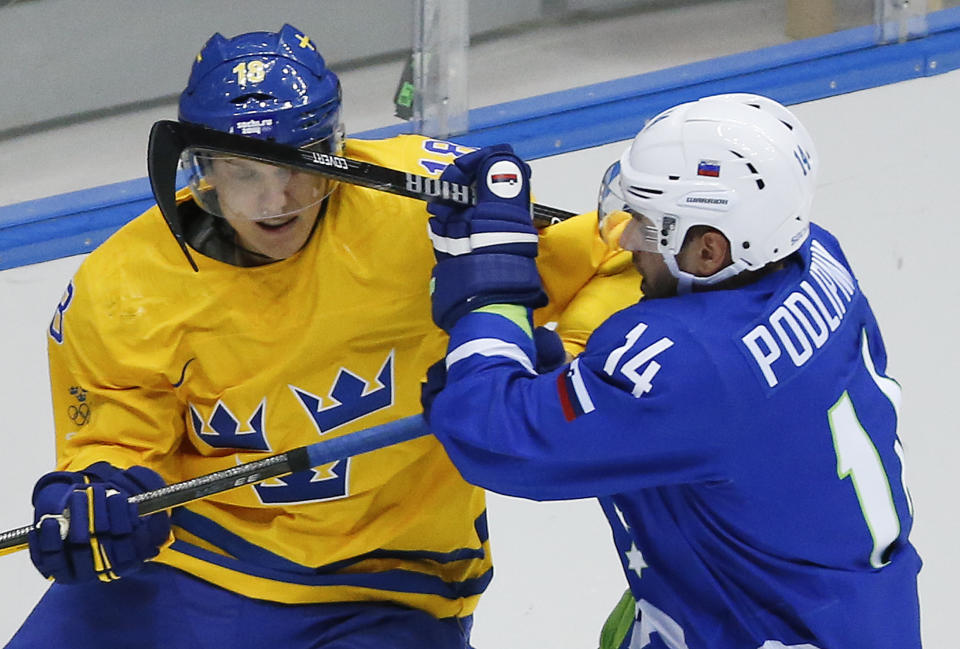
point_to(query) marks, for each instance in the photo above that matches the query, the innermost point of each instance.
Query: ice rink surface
(886, 188)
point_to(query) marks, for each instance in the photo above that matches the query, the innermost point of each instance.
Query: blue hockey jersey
(743, 445)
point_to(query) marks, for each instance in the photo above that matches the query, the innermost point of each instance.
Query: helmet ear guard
(742, 164)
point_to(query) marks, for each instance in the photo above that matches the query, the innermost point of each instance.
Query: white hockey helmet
(740, 163)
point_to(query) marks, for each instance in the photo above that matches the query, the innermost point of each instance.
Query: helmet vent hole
(673, 177)
(753, 170)
(645, 192)
(746, 245)
(258, 96)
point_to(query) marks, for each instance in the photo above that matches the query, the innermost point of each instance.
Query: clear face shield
(244, 189)
(623, 226)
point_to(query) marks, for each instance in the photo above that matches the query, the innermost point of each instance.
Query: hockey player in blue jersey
(737, 424)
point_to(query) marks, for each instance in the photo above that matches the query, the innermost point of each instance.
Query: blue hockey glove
(105, 539)
(550, 356)
(486, 253)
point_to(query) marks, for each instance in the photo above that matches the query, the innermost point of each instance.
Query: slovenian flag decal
(709, 168)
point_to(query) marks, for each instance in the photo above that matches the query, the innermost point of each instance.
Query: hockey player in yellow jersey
(308, 317)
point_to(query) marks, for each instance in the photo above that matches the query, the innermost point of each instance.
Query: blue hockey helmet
(269, 85)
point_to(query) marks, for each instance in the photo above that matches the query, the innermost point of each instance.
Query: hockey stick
(298, 459)
(168, 139)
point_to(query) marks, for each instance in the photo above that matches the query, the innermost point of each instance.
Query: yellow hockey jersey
(189, 373)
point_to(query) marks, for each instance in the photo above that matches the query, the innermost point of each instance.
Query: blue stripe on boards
(68, 224)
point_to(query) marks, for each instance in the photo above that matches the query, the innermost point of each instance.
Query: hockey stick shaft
(298, 459)
(168, 139)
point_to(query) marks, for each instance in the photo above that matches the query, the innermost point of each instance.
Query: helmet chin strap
(686, 281)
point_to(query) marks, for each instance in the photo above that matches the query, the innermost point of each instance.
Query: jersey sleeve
(106, 409)
(585, 279)
(629, 413)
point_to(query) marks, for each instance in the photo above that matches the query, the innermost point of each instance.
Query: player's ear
(706, 253)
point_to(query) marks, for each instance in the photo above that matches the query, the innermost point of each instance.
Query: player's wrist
(515, 313)
(468, 282)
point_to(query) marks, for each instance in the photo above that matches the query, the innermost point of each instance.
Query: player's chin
(653, 289)
(292, 240)
(648, 291)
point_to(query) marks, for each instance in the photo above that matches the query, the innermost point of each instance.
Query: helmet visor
(236, 187)
(620, 224)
